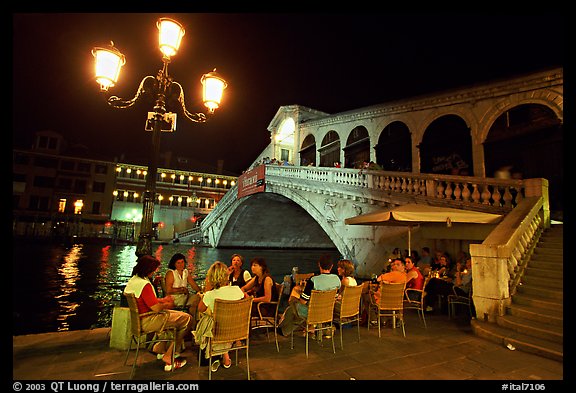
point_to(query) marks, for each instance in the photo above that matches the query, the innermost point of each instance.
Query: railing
(487, 194)
(193, 233)
(502, 257)
(228, 199)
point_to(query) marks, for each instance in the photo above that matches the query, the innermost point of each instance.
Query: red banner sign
(252, 181)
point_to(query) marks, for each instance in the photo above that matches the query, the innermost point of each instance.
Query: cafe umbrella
(415, 214)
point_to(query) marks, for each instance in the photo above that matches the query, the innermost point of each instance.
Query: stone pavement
(446, 350)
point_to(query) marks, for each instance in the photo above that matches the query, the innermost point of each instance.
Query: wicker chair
(391, 305)
(417, 302)
(456, 299)
(320, 315)
(269, 322)
(140, 336)
(349, 309)
(231, 325)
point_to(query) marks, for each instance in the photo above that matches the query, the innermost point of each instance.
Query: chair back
(321, 306)
(279, 290)
(350, 306)
(134, 314)
(231, 320)
(392, 296)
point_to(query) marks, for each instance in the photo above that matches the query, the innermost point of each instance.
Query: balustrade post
(370, 181)
(431, 188)
(491, 294)
(539, 188)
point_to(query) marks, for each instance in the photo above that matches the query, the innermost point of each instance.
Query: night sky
(329, 62)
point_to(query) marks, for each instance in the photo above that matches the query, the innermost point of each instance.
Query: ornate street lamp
(109, 62)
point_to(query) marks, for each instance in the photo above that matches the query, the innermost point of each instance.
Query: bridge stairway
(534, 320)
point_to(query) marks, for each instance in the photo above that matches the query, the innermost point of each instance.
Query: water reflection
(77, 287)
(70, 275)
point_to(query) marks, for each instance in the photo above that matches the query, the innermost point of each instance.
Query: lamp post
(108, 63)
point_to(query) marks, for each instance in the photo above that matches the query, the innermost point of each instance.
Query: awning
(414, 214)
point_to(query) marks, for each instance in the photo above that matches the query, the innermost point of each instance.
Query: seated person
(261, 286)
(238, 275)
(140, 285)
(346, 271)
(397, 274)
(217, 287)
(442, 286)
(463, 279)
(414, 277)
(444, 268)
(297, 312)
(176, 280)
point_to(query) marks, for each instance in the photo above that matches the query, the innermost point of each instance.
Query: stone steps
(519, 341)
(534, 320)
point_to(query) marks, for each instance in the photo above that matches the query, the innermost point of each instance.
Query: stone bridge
(434, 150)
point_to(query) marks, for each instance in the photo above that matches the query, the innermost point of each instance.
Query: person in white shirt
(217, 287)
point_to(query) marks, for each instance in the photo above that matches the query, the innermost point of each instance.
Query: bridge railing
(487, 194)
(228, 199)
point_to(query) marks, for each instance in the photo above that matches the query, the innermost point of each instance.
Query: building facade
(59, 194)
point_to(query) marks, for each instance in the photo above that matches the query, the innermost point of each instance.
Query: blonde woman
(345, 270)
(217, 280)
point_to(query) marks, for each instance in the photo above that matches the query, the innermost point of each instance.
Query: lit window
(61, 205)
(78, 206)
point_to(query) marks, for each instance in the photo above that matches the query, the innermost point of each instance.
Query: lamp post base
(144, 246)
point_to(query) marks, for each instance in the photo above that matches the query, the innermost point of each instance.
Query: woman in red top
(414, 279)
(142, 288)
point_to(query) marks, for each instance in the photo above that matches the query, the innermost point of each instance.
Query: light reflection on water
(77, 287)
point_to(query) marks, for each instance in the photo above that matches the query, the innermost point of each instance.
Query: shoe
(178, 363)
(227, 366)
(159, 356)
(215, 365)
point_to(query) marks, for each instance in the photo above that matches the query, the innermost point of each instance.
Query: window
(80, 186)
(43, 182)
(101, 169)
(38, 203)
(62, 205)
(67, 165)
(95, 207)
(46, 162)
(98, 186)
(84, 167)
(21, 159)
(65, 183)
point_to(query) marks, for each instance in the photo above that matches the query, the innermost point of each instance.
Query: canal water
(75, 287)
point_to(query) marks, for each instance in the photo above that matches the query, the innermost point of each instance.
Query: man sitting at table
(296, 314)
(396, 276)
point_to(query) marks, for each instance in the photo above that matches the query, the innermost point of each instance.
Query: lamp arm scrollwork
(195, 117)
(118, 102)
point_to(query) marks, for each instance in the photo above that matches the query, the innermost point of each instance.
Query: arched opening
(528, 138)
(308, 151)
(330, 149)
(357, 148)
(446, 147)
(394, 148)
(284, 139)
